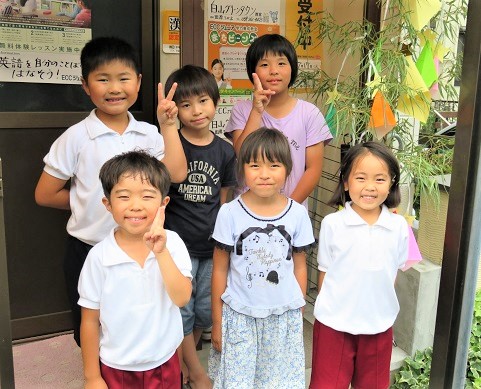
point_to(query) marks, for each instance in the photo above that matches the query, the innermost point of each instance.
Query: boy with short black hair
(195, 202)
(133, 282)
(111, 77)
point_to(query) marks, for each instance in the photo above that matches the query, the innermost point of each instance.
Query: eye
(359, 179)
(381, 180)
(123, 197)
(184, 105)
(204, 100)
(148, 197)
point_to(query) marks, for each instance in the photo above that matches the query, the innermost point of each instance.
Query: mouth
(135, 219)
(197, 121)
(114, 99)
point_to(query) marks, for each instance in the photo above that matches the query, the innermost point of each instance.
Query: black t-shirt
(194, 203)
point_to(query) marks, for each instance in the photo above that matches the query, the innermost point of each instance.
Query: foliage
(414, 374)
(380, 64)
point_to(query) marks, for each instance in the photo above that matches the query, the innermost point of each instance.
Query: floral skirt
(257, 353)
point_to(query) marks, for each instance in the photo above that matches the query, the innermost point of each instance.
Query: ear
(139, 82)
(165, 201)
(106, 202)
(85, 87)
(346, 186)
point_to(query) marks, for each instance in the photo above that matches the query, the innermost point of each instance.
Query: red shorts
(165, 376)
(340, 359)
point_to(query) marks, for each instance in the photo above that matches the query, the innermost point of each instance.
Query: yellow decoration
(416, 104)
(420, 12)
(332, 96)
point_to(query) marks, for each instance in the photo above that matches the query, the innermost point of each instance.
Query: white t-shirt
(261, 280)
(79, 153)
(140, 325)
(361, 263)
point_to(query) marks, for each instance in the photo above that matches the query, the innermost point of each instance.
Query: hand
(262, 97)
(156, 238)
(166, 109)
(95, 383)
(216, 337)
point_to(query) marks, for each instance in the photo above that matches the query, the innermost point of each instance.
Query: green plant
(415, 372)
(379, 58)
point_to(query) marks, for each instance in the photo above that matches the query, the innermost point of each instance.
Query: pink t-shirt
(84, 18)
(304, 126)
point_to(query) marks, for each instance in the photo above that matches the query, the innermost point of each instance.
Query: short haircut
(192, 81)
(379, 150)
(134, 163)
(102, 50)
(271, 43)
(265, 143)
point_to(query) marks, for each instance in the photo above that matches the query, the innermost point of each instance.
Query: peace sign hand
(156, 238)
(262, 97)
(166, 109)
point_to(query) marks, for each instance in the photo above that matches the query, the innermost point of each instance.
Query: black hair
(265, 143)
(379, 150)
(87, 3)
(102, 50)
(134, 163)
(271, 43)
(192, 81)
(215, 62)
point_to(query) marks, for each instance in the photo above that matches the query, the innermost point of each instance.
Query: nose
(196, 109)
(273, 69)
(264, 173)
(114, 87)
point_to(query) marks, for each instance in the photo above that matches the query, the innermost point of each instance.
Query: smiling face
(218, 71)
(274, 72)
(113, 87)
(368, 184)
(264, 178)
(196, 112)
(133, 204)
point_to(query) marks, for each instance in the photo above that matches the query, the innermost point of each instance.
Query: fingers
(170, 96)
(257, 82)
(160, 91)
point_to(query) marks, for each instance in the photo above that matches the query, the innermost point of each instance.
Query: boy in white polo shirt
(133, 282)
(111, 77)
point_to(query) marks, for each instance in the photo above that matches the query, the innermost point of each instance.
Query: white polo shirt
(79, 153)
(140, 325)
(361, 263)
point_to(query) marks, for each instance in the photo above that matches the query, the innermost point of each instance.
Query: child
(217, 70)
(195, 202)
(111, 77)
(259, 277)
(361, 249)
(271, 63)
(133, 282)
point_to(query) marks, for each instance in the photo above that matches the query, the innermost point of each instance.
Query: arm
(312, 173)
(219, 284)
(224, 193)
(261, 99)
(90, 340)
(174, 156)
(320, 280)
(300, 270)
(178, 286)
(51, 192)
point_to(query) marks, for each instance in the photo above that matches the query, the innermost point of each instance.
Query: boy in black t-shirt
(194, 203)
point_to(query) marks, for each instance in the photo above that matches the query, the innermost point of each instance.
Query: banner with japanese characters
(41, 41)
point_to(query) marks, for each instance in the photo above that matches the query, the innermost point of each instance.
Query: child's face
(368, 185)
(196, 112)
(113, 87)
(274, 71)
(133, 204)
(264, 178)
(217, 71)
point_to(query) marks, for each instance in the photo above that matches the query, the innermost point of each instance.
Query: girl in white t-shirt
(361, 249)
(259, 276)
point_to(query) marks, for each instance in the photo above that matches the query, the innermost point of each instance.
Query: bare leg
(198, 378)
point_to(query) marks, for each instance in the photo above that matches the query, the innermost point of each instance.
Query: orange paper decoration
(382, 118)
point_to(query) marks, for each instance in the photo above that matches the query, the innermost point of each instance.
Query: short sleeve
(223, 231)
(304, 237)
(178, 252)
(61, 160)
(403, 244)
(317, 129)
(324, 257)
(229, 178)
(91, 281)
(238, 118)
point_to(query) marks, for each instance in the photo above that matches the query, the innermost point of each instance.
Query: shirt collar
(352, 218)
(95, 127)
(112, 253)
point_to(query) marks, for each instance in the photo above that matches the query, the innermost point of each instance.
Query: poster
(231, 27)
(41, 41)
(228, 97)
(171, 32)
